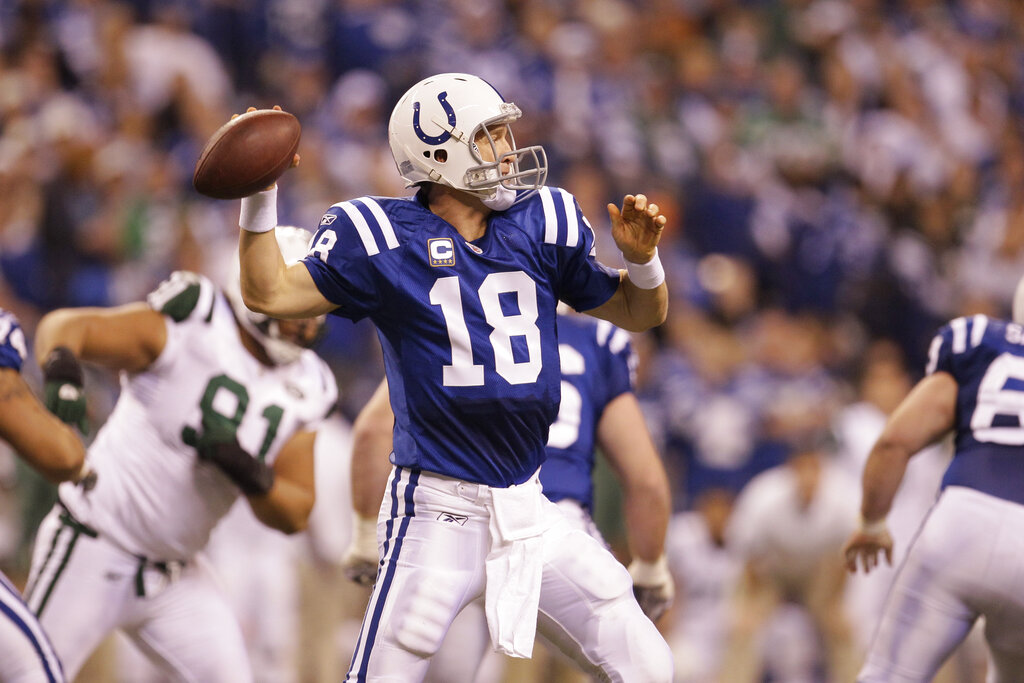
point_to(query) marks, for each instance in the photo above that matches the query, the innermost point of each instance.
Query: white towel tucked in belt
(514, 566)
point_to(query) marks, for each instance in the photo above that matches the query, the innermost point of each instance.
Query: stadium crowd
(840, 177)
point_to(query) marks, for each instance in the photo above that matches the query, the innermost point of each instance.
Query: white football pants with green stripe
(82, 587)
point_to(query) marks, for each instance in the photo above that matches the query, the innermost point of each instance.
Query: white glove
(652, 586)
(361, 558)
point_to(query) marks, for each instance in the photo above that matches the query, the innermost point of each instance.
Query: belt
(169, 568)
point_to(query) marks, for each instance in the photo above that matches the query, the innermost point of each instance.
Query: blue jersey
(986, 358)
(12, 342)
(597, 366)
(467, 329)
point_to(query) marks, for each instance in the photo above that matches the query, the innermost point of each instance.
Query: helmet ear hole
(440, 155)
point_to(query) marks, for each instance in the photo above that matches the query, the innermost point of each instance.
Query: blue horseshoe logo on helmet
(433, 139)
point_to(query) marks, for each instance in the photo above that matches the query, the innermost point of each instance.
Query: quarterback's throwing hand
(636, 228)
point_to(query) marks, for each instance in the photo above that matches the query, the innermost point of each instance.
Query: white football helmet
(283, 340)
(433, 130)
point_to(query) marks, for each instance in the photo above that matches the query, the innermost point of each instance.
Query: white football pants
(967, 561)
(82, 587)
(434, 538)
(26, 655)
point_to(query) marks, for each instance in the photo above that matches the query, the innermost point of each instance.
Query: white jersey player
(49, 446)
(214, 403)
(967, 559)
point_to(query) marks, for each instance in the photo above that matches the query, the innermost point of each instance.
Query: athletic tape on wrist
(872, 528)
(646, 275)
(259, 211)
(644, 573)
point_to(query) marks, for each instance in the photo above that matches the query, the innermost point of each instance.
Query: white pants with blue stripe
(26, 655)
(434, 537)
(967, 561)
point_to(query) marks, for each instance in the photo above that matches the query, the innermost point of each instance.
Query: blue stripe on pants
(13, 616)
(389, 574)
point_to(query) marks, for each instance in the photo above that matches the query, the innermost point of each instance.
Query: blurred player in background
(706, 570)
(216, 401)
(788, 526)
(462, 281)
(53, 449)
(598, 411)
(967, 559)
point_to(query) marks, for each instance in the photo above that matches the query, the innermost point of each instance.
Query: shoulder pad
(179, 295)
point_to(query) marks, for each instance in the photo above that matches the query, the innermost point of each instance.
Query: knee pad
(424, 613)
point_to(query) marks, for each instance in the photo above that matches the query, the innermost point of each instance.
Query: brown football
(247, 154)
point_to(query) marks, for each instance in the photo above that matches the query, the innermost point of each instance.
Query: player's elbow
(64, 460)
(257, 300)
(294, 525)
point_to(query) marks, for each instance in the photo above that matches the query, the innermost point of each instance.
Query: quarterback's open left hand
(636, 228)
(652, 586)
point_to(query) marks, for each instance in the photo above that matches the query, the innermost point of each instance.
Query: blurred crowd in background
(840, 178)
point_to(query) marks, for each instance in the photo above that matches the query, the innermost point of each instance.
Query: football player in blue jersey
(967, 560)
(598, 410)
(462, 281)
(54, 450)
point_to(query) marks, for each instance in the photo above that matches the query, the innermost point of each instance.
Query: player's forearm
(46, 443)
(262, 271)
(647, 508)
(644, 308)
(63, 327)
(883, 473)
(372, 434)
(286, 507)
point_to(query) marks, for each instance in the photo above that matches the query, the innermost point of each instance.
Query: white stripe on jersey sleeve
(382, 220)
(604, 330)
(572, 220)
(959, 327)
(593, 238)
(550, 217)
(619, 340)
(978, 329)
(933, 354)
(362, 227)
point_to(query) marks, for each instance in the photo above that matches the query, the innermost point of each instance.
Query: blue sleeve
(940, 354)
(339, 258)
(620, 365)
(12, 342)
(956, 347)
(583, 282)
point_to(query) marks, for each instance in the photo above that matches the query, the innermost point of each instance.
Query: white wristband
(259, 211)
(646, 275)
(650, 573)
(872, 528)
(364, 535)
